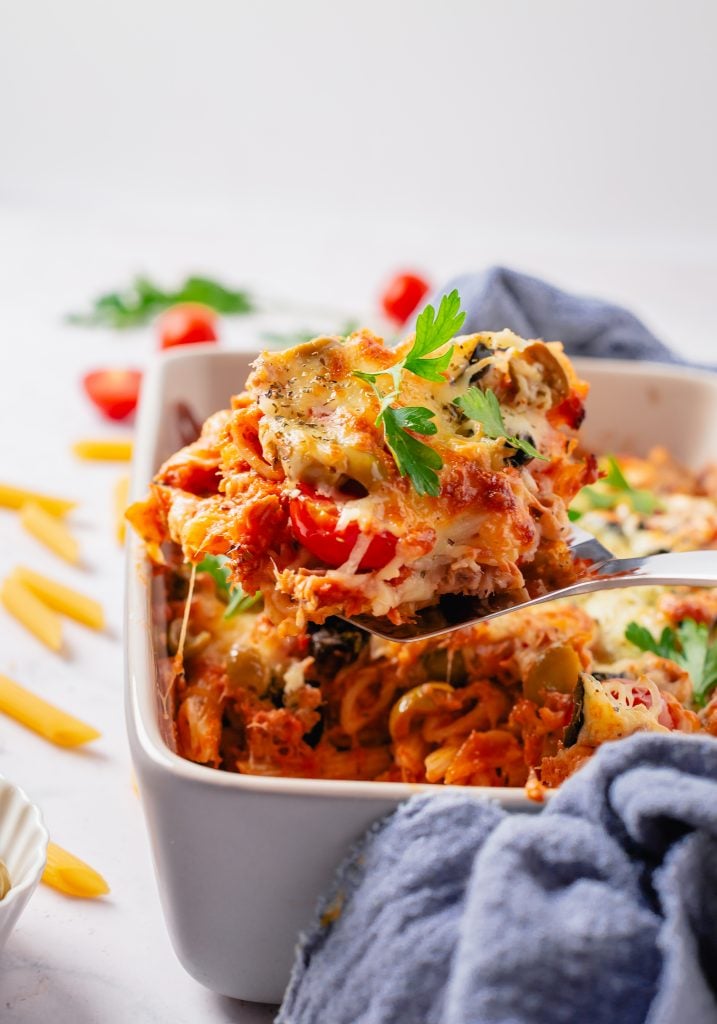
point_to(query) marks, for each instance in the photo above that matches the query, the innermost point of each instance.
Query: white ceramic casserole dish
(240, 860)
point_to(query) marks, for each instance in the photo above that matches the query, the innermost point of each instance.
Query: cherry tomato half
(114, 392)
(313, 520)
(402, 295)
(186, 324)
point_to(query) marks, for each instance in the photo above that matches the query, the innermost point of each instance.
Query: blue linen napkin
(600, 910)
(499, 298)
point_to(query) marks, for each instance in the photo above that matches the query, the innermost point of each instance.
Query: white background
(307, 150)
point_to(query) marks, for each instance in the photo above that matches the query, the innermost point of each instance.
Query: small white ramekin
(23, 848)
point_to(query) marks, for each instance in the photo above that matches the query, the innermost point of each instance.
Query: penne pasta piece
(62, 599)
(120, 501)
(42, 717)
(108, 450)
(50, 531)
(16, 497)
(73, 876)
(32, 612)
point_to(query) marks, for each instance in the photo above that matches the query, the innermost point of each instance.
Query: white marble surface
(76, 962)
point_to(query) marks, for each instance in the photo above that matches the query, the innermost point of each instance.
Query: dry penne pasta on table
(44, 718)
(50, 531)
(62, 598)
(16, 497)
(120, 499)
(107, 450)
(33, 613)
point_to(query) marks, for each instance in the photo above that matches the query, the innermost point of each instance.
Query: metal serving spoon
(602, 572)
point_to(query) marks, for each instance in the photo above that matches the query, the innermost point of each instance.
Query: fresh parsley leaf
(598, 499)
(240, 602)
(615, 476)
(237, 599)
(414, 458)
(483, 406)
(143, 300)
(525, 446)
(644, 502)
(434, 330)
(215, 565)
(226, 300)
(709, 676)
(370, 378)
(613, 489)
(574, 515)
(641, 637)
(694, 641)
(416, 418)
(689, 646)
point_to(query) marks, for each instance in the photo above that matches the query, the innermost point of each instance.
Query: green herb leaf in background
(285, 339)
(143, 300)
(240, 602)
(237, 599)
(689, 646)
(613, 489)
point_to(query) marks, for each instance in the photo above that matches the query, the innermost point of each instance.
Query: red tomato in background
(114, 392)
(313, 520)
(402, 296)
(186, 324)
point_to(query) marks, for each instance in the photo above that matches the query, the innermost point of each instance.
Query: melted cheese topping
(614, 708)
(306, 422)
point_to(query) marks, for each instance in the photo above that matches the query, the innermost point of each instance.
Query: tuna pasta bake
(522, 700)
(353, 478)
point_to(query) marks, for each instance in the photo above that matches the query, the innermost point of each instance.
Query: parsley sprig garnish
(483, 407)
(689, 646)
(413, 458)
(615, 490)
(237, 599)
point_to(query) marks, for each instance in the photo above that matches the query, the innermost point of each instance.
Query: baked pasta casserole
(352, 478)
(521, 700)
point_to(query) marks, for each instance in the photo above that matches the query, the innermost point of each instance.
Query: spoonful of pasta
(597, 569)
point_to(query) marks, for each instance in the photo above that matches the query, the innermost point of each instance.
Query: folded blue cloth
(500, 298)
(602, 909)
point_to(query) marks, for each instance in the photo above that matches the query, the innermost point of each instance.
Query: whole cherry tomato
(313, 521)
(402, 295)
(186, 324)
(114, 392)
